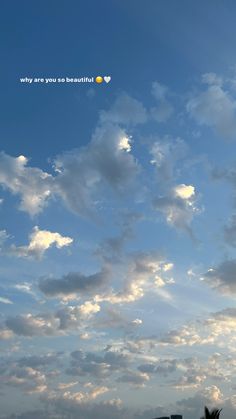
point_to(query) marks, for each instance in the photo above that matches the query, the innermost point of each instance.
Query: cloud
(36, 361)
(81, 172)
(74, 283)
(97, 365)
(5, 334)
(166, 152)
(113, 319)
(72, 316)
(39, 242)
(162, 367)
(178, 207)
(60, 407)
(79, 404)
(207, 331)
(80, 175)
(5, 300)
(32, 184)
(164, 110)
(214, 107)
(80, 397)
(125, 111)
(30, 380)
(143, 272)
(30, 325)
(193, 406)
(135, 378)
(223, 277)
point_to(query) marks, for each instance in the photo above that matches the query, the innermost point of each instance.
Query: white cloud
(185, 191)
(39, 242)
(32, 184)
(142, 273)
(5, 300)
(80, 175)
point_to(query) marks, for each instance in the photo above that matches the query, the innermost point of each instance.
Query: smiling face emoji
(99, 79)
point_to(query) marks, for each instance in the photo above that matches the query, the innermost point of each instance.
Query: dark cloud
(223, 277)
(97, 365)
(74, 283)
(30, 325)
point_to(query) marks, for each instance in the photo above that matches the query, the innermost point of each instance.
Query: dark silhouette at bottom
(214, 414)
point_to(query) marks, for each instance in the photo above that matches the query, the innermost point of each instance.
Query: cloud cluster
(96, 365)
(144, 271)
(78, 174)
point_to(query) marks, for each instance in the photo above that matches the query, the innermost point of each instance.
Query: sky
(117, 209)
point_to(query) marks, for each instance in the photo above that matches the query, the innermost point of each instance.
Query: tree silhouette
(214, 414)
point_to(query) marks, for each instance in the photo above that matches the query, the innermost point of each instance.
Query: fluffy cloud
(48, 324)
(211, 330)
(144, 270)
(71, 316)
(28, 379)
(39, 242)
(79, 397)
(178, 207)
(97, 365)
(208, 396)
(78, 174)
(81, 172)
(29, 325)
(214, 107)
(32, 184)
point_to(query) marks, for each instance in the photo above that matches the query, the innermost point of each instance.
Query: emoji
(99, 79)
(107, 79)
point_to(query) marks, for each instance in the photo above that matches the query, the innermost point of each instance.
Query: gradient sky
(118, 209)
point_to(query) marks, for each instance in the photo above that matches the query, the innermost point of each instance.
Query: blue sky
(117, 205)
